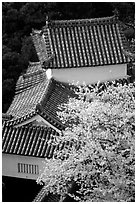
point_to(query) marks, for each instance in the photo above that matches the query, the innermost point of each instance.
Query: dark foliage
(18, 19)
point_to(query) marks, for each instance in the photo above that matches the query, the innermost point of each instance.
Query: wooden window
(28, 168)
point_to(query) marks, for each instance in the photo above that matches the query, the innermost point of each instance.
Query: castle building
(69, 51)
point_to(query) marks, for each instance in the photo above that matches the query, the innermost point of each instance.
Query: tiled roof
(36, 94)
(33, 140)
(80, 43)
(30, 90)
(28, 141)
(43, 197)
(57, 94)
(40, 196)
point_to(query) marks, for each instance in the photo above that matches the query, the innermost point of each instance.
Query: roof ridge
(6, 124)
(16, 121)
(32, 68)
(108, 19)
(42, 37)
(50, 81)
(29, 80)
(124, 41)
(32, 74)
(31, 63)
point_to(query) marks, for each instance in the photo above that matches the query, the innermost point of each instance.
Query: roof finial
(116, 13)
(47, 21)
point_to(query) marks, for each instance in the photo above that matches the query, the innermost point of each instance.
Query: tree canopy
(98, 156)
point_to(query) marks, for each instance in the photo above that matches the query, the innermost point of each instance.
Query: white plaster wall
(90, 74)
(10, 165)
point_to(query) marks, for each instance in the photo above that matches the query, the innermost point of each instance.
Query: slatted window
(28, 168)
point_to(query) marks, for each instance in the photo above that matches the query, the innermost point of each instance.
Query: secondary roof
(28, 140)
(36, 94)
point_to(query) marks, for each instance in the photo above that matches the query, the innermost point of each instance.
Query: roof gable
(80, 43)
